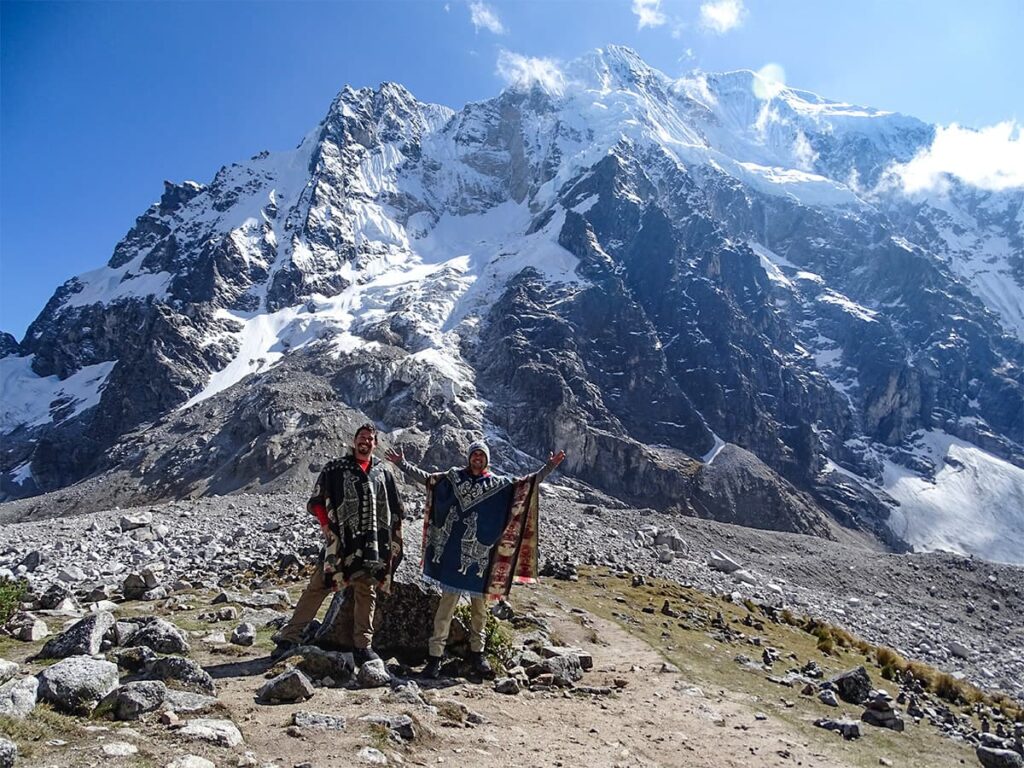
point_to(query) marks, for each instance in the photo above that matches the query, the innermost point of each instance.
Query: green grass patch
(12, 592)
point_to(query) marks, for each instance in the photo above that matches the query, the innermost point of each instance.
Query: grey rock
(289, 686)
(18, 697)
(8, 753)
(400, 725)
(719, 561)
(223, 733)
(133, 520)
(191, 761)
(32, 630)
(77, 684)
(850, 729)
(318, 722)
(317, 663)
(828, 696)
(132, 700)
(999, 758)
(189, 702)
(84, 637)
(565, 669)
(273, 599)
(8, 669)
(373, 674)
(133, 659)
(853, 686)
(162, 636)
(507, 685)
(244, 634)
(408, 619)
(262, 617)
(184, 671)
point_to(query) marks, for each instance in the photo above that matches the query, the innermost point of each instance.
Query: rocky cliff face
(636, 269)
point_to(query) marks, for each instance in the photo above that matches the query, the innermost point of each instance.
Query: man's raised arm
(554, 459)
(397, 457)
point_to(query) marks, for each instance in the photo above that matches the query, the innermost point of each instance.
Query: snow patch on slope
(30, 400)
(974, 505)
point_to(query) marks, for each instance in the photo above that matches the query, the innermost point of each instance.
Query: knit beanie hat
(479, 445)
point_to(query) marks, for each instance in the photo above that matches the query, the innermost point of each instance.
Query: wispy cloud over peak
(722, 15)
(990, 158)
(648, 13)
(483, 16)
(524, 71)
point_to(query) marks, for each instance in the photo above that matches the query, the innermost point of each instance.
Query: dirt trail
(657, 719)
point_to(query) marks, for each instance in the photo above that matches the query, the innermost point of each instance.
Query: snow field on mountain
(455, 271)
(26, 397)
(975, 504)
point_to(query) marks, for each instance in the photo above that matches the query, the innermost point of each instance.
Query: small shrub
(887, 657)
(826, 645)
(11, 594)
(947, 687)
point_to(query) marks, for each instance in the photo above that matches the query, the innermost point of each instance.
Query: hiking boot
(363, 655)
(282, 649)
(432, 670)
(479, 665)
(326, 644)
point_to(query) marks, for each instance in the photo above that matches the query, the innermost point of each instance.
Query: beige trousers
(355, 623)
(443, 623)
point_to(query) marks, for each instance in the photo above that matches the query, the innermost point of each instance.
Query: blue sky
(100, 102)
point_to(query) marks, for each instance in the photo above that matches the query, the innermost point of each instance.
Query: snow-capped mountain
(713, 295)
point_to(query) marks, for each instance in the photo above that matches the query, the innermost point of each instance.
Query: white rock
(119, 749)
(8, 669)
(191, 761)
(372, 756)
(719, 561)
(222, 732)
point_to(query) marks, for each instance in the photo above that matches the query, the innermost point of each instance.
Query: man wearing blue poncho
(479, 536)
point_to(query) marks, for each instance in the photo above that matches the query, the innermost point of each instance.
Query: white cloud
(648, 13)
(722, 15)
(769, 81)
(991, 158)
(484, 16)
(516, 69)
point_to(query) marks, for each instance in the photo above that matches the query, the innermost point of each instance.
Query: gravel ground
(959, 614)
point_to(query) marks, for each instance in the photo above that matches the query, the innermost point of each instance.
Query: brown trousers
(356, 621)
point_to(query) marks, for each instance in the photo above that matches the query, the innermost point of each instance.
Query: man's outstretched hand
(395, 456)
(555, 459)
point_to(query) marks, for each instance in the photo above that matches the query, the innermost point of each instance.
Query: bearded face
(363, 444)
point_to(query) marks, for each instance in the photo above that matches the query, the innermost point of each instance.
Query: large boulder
(83, 638)
(162, 636)
(853, 686)
(408, 621)
(991, 757)
(77, 684)
(133, 700)
(182, 670)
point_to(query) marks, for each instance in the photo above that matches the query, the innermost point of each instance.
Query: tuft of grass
(887, 657)
(948, 687)
(380, 736)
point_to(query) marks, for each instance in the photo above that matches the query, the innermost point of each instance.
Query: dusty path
(658, 718)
